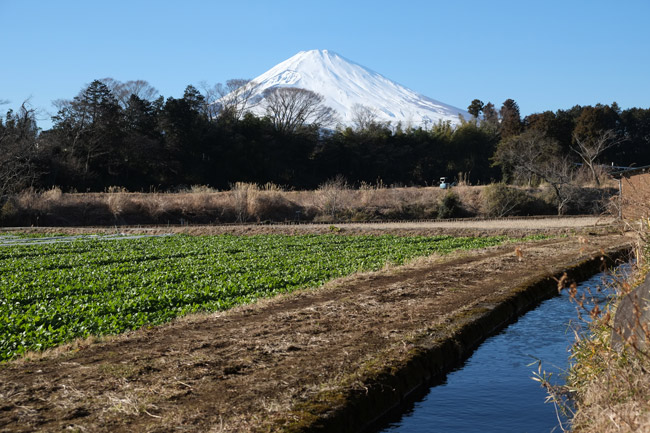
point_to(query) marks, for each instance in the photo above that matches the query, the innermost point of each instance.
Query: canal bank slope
(610, 377)
(331, 359)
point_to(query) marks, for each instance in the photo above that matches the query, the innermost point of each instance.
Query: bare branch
(235, 98)
(589, 149)
(532, 154)
(291, 109)
(365, 118)
(123, 91)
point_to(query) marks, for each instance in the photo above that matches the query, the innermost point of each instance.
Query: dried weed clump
(331, 198)
(243, 195)
(610, 377)
(333, 201)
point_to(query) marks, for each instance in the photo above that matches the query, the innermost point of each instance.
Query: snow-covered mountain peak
(345, 85)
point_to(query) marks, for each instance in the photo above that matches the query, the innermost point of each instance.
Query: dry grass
(333, 201)
(616, 396)
(612, 385)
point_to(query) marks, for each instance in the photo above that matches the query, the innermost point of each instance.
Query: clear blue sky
(545, 55)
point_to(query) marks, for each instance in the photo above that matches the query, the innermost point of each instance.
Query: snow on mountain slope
(344, 83)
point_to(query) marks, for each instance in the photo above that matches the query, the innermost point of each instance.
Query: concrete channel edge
(436, 353)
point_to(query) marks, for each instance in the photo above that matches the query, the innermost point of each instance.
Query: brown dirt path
(520, 226)
(244, 370)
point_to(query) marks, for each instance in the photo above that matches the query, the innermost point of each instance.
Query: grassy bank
(612, 386)
(332, 202)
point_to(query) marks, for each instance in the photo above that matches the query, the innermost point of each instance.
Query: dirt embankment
(456, 227)
(251, 203)
(274, 366)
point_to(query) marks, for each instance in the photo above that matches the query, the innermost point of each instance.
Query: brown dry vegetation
(612, 384)
(332, 202)
(519, 227)
(272, 365)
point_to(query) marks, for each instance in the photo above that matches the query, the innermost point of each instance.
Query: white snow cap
(344, 84)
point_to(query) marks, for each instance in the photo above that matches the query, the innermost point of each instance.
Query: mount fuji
(346, 85)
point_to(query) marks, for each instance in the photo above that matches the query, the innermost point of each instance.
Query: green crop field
(53, 293)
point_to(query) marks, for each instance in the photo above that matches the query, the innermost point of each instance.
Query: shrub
(53, 194)
(593, 201)
(201, 189)
(410, 211)
(449, 206)
(271, 206)
(8, 212)
(503, 200)
(332, 198)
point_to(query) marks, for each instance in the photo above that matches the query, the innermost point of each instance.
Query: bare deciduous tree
(532, 154)
(523, 154)
(364, 118)
(590, 148)
(210, 100)
(61, 104)
(123, 91)
(234, 98)
(291, 108)
(560, 174)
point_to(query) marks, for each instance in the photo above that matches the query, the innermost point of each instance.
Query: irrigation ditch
(395, 387)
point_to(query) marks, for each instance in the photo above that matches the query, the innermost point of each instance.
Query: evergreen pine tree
(510, 119)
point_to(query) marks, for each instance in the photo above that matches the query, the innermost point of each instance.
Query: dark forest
(109, 136)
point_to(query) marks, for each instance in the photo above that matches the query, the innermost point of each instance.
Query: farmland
(274, 364)
(53, 293)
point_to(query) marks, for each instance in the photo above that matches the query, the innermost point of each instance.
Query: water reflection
(493, 390)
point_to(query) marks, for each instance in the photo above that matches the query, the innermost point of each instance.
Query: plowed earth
(248, 368)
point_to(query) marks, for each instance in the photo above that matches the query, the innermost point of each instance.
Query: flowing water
(493, 390)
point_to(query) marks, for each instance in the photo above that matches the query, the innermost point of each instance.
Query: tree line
(125, 134)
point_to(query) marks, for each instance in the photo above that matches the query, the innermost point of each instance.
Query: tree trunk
(593, 173)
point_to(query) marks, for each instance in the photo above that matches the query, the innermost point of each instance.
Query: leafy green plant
(53, 293)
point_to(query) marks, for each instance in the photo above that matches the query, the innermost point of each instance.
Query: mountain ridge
(345, 84)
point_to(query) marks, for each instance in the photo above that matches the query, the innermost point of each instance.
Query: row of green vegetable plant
(53, 293)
